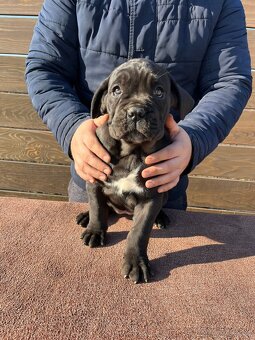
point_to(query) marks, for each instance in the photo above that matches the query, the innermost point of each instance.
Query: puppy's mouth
(136, 137)
(136, 131)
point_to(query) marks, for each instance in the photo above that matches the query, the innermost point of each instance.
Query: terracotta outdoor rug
(53, 287)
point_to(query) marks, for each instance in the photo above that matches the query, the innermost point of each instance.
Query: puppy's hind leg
(96, 220)
(162, 220)
(83, 219)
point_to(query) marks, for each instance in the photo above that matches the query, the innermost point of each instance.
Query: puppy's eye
(159, 92)
(116, 90)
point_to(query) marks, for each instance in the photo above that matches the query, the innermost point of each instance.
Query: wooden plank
(12, 74)
(33, 8)
(251, 42)
(6, 193)
(30, 146)
(35, 178)
(221, 194)
(220, 211)
(16, 111)
(18, 7)
(15, 35)
(249, 7)
(243, 132)
(229, 162)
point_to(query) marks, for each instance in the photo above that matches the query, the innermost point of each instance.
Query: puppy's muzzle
(141, 124)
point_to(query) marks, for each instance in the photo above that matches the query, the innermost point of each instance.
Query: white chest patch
(128, 184)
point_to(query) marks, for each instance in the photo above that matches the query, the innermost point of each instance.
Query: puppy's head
(138, 95)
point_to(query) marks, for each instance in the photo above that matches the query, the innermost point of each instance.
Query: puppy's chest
(126, 179)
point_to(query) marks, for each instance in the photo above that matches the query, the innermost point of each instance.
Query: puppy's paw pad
(83, 219)
(93, 238)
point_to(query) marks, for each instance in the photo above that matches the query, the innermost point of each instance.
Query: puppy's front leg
(136, 263)
(95, 233)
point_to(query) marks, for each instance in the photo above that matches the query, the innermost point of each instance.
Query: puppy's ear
(98, 106)
(181, 100)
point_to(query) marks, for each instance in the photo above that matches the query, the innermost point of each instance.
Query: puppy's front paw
(93, 238)
(136, 267)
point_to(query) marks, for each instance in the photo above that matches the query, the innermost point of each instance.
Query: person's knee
(180, 203)
(76, 193)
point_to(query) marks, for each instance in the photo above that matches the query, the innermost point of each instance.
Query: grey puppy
(138, 95)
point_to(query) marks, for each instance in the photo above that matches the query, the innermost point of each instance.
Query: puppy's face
(137, 96)
(138, 100)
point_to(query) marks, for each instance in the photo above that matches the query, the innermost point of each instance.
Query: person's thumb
(101, 120)
(172, 126)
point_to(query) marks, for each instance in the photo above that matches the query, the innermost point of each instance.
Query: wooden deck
(33, 165)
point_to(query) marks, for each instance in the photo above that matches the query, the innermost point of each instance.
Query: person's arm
(52, 68)
(225, 85)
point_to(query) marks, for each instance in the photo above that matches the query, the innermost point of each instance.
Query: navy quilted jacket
(76, 44)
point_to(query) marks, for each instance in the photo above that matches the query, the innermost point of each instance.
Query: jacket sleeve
(52, 69)
(224, 85)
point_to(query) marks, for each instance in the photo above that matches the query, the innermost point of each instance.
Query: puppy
(138, 95)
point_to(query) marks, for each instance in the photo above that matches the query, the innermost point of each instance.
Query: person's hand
(90, 158)
(167, 164)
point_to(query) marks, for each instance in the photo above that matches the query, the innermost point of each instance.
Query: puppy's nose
(136, 114)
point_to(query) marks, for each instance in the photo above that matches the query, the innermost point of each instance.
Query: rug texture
(53, 287)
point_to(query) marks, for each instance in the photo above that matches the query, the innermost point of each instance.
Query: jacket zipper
(131, 7)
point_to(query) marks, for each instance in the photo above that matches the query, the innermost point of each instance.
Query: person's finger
(93, 172)
(162, 179)
(162, 168)
(154, 170)
(164, 154)
(169, 151)
(93, 167)
(101, 120)
(172, 127)
(168, 186)
(92, 143)
(170, 165)
(85, 156)
(96, 148)
(83, 175)
(93, 161)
